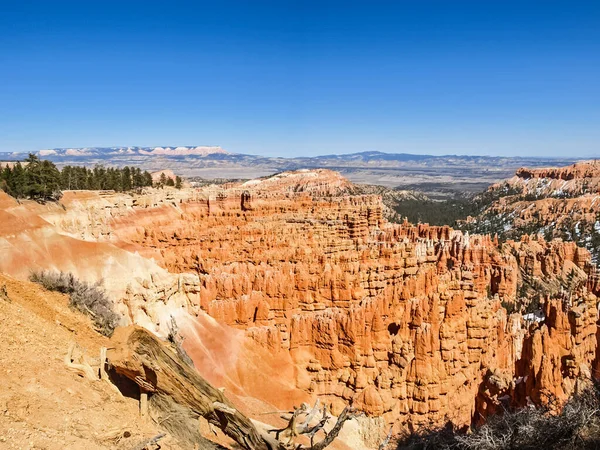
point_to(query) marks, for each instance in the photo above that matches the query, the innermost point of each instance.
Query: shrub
(87, 298)
(510, 307)
(577, 426)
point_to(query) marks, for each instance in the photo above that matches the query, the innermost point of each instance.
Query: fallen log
(143, 358)
(159, 370)
(180, 423)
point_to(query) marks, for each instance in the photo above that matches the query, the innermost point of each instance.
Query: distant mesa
(393, 170)
(124, 151)
(183, 151)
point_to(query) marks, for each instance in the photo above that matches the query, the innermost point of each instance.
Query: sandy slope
(44, 406)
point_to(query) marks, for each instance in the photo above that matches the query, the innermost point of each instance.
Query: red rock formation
(403, 321)
(586, 169)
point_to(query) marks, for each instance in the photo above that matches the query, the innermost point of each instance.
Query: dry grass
(87, 298)
(576, 427)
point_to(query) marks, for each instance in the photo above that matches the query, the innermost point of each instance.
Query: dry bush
(87, 298)
(576, 427)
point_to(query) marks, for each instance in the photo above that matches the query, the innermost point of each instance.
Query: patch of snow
(77, 152)
(537, 316)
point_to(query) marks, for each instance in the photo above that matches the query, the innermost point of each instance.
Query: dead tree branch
(79, 365)
(386, 441)
(152, 441)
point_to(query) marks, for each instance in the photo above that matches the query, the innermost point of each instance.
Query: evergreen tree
(66, 175)
(138, 178)
(147, 179)
(41, 180)
(17, 181)
(126, 179)
(5, 177)
(178, 182)
(114, 180)
(50, 181)
(162, 181)
(100, 176)
(81, 178)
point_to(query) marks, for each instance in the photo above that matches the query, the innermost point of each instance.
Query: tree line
(41, 180)
(444, 212)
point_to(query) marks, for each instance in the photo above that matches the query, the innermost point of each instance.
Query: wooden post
(143, 403)
(103, 374)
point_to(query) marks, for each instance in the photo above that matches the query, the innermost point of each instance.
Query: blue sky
(302, 77)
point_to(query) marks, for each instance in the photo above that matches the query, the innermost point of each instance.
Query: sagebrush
(88, 298)
(577, 426)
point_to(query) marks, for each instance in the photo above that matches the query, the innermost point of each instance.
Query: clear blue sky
(303, 77)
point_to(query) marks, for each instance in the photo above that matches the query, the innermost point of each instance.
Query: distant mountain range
(208, 153)
(390, 169)
(112, 152)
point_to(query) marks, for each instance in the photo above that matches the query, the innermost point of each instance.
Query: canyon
(291, 288)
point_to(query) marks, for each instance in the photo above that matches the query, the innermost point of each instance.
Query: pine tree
(147, 179)
(41, 180)
(81, 178)
(163, 180)
(50, 181)
(100, 175)
(126, 179)
(17, 181)
(178, 182)
(34, 187)
(138, 178)
(5, 178)
(66, 175)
